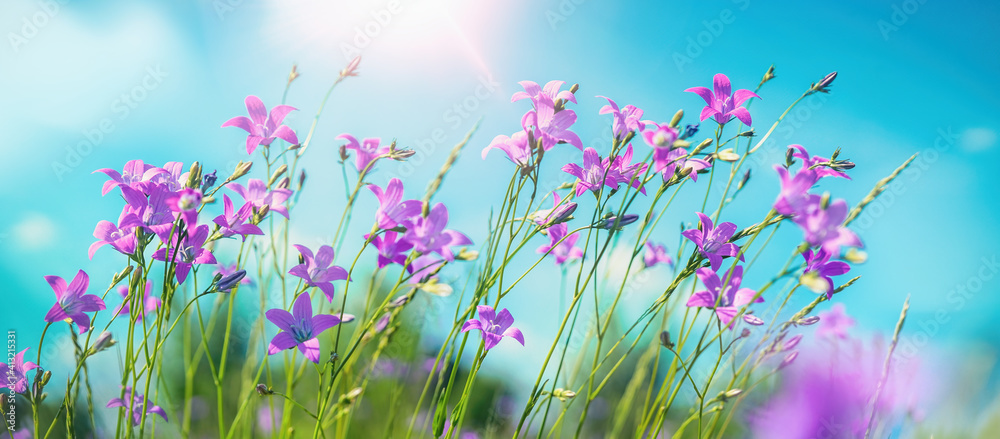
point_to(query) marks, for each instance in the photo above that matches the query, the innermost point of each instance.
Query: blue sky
(911, 79)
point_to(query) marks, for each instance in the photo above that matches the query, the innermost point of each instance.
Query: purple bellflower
(818, 270)
(726, 299)
(428, 234)
(300, 328)
(149, 302)
(392, 210)
(135, 172)
(626, 120)
(72, 301)
(723, 105)
(186, 250)
(318, 271)
(565, 250)
(256, 194)
(494, 326)
(233, 222)
(391, 249)
(516, 147)
(262, 127)
(121, 238)
(663, 136)
(834, 323)
(133, 403)
(593, 174)
(14, 376)
(655, 254)
(365, 152)
(713, 242)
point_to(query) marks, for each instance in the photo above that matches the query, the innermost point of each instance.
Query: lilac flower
(391, 249)
(256, 193)
(834, 323)
(16, 374)
(551, 92)
(818, 270)
(627, 172)
(494, 326)
(134, 403)
(794, 195)
(550, 126)
(593, 174)
(565, 250)
(185, 250)
(663, 136)
(808, 162)
(149, 302)
(72, 302)
(559, 213)
(392, 210)
(262, 127)
(185, 203)
(516, 147)
(135, 172)
(233, 222)
(227, 282)
(823, 226)
(655, 254)
(268, 418)
(726, 299)
(626, 120)
(421, 268)
(669, 161)
(173, 177)
(428, 234)
(153, 211)
(365, 151)
(713, 242)
(121, 238)
(300, 328)
(319, 271)
(724, 104)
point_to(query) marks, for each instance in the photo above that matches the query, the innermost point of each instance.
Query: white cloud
(978, 139)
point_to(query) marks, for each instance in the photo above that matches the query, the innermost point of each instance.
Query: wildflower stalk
(885, 366)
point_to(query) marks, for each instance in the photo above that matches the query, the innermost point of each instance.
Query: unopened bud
(103, 342)
(752, 320)
(242, 168)
(789, 157)
(563, 394)
(791, 343)
(228, 282)
(768, 75)
(293, 74)
(302, 180)
(121, 275)
(194, 176)
(208, 181)
(283, 183)
(749, 133)
(616, 223)
(807, 321)
(45, 378)
(856, 256)
(788, 360)
(676, 120)
(401, 154)
(574, 88)
(665, 340)
(467, 255)
(824, 201)
(399, 301)
(727, 155)
(690, 130)
(349, 397)
(436, 288)
(277, 174)
(745, 333)
(701, 146)
(824, 84)
(343, 153)
(744, 180)
(263, 390)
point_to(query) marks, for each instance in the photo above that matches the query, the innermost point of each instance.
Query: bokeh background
(160, 77)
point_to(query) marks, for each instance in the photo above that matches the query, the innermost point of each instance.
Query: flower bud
(752, 320)
(745, 333)
(260, 213)
(293, 74)
(399, 301)
(242, 168)
(194, 176)
(45, 378)
(277, 174)
(121, 275)
(768, 75)
(263, 390)
(610, 222)
(665, 340)
(727, 155)
(807, 321)
(789, 157)
(791, 343)
(467, 255)
(563, 394)
(302, 180)
(824, 84)
(856, 256)
(228, 282)
(701, 146)
(343, 153)
(352, 67)
(208, 181)
(744, 180)
(438, 289)
(750, 133)
(788, 360)
(676, 120)
(690, 130)
(283, 183)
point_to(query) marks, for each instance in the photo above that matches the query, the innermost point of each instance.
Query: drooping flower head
(391, 248)
(626, 120)
(660, 136)
(562, 249)
(428, 234)
(186, 250)
(133, 403)
(655, 254)
(72, 301)
(723, 105)
(300, 328)
(319, 271)
(15, 376)
(516, 147)
(149, 302)
(494, 326)
(835, 322)
(121, 237)
(256, 194)
(262, 127)
(726, 299)
(818, 270)
(713, 242)
(593, 174)
(392, 210)
(234, 222)
(365, 152)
